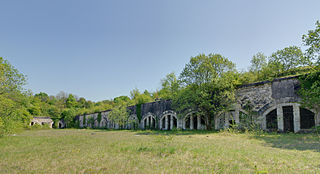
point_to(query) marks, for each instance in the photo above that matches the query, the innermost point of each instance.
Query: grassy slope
(97, 151)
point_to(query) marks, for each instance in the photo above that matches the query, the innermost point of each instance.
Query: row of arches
(169, 121)
(286, 117)
(289, 118)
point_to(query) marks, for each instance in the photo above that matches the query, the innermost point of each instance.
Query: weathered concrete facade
(271, 105)
(42, 121)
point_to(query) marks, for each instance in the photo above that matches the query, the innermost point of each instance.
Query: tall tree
(13, 101)
(258, 62)
(312, 40)
(288, 58)
(207, 82)
(170, 86)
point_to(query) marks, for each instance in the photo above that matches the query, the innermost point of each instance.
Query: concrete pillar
(191, 122)
(280, 118)
(198, 122)
(171, 122)
(166, 122)
(296, 117)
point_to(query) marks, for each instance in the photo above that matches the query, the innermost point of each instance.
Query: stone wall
(256, 100)
(42, 121)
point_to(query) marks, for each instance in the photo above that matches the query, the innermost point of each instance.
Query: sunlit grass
(100, 151)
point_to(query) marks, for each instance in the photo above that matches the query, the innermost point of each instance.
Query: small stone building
(42, 121)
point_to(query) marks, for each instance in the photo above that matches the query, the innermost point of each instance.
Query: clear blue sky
(101, 49)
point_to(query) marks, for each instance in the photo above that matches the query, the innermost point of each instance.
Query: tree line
(206, 85)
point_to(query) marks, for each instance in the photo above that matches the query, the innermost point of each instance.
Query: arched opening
(271, 119)
(168, 122)
(149, 122)
(307, 120)
(32, 123)
(193, 121)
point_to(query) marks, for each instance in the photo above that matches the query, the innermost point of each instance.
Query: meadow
(106, 151)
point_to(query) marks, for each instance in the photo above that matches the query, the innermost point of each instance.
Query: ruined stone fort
(274, 107)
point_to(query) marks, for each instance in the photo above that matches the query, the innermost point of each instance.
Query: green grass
(100, 151)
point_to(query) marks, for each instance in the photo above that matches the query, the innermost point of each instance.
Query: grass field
(100, 151)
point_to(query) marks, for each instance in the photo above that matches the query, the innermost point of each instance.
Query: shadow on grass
(160, 132)
(291, 141)
(180, 132)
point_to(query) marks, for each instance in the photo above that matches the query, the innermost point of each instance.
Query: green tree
(170, 87)
(310, 90)
(43, 97)
(13, 102)
(68, 117)
(287, 58)
(258, 62)
(71, 101)
(119, 114)
(312, 40)
(208, 86)
(140, 98)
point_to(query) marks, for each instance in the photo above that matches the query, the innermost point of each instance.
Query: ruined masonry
(272, 105)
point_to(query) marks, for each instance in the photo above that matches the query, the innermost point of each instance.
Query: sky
(101, 49)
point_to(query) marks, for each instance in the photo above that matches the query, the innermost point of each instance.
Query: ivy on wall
(138, 110)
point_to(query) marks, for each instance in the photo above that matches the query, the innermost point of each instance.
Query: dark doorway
(153, 123)
(288, 118)
(169, 122)
(272, 123)
(164, 123)
(188, 123)
(306, 119)
(195, 122)
(232, 123)
(175, 122)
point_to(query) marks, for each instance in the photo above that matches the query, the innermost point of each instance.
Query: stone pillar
(183, 123)
(264, 122)
(160, 124)
(166, 122)
(216, 122)
(226, 120)
(280, 118)
(296, 117)
(191, 122)
(148, 119)
(151, 124)
(236, 114)
(171, 122)
(317, 118)
(198, 122)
